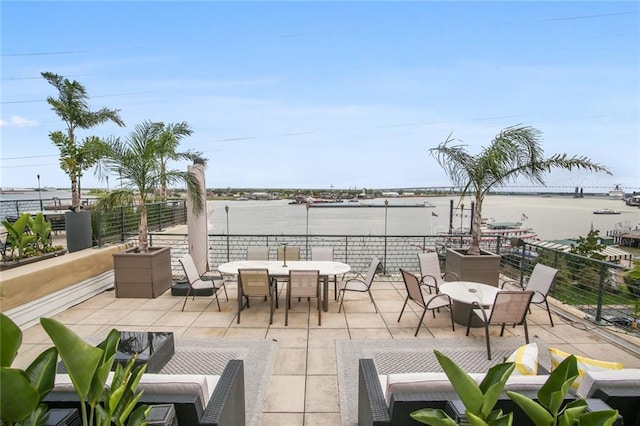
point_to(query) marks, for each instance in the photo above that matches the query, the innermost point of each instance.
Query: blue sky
(321, 94)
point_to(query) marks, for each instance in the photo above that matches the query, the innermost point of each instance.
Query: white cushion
(520, 383)
(526, 360)
(420, 382)
(182, 384)
(593, 380)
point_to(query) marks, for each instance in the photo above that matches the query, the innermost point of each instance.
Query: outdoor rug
(210, 356)
(412, 355)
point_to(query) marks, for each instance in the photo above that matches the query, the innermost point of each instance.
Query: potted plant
(514, 153)
(144, 271)
(28, 240)
(479, 400)
(22, 391)
(72, 107)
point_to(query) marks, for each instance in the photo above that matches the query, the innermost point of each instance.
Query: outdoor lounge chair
(303, 284)
(540, 283)
(430, 273)
(197, 282)
(509, 307)
(415, 294)
(224, 406)
(360, 285)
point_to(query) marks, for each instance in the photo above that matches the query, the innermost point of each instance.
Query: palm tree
(169, 139)
(72, 107)
(515, 152)
(137, 161)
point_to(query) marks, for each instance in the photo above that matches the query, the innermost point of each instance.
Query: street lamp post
(226, 210)
(307, 226)
(107, 177)
(39, 192)
(386, 205)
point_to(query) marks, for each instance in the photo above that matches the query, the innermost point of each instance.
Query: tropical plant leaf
(536, 412)
(433, 417)
(42, 371)
(18, 397)
(492, 386)
(598, 418)
(551, 394)
(466, 388)
(11, 338)
(79, 358)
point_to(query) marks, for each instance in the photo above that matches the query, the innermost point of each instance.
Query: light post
(226, 210)
(39, 191)
(107, 177)
(386, 205)
(307, 226)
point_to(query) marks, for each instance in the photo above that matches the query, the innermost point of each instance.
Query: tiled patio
(304, 385)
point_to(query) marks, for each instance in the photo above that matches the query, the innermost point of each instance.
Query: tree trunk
(75, 193)
(143, 241)
(476, 234)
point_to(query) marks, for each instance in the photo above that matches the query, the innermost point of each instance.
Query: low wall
(27, 283)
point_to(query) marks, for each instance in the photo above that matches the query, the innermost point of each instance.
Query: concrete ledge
(28, 283)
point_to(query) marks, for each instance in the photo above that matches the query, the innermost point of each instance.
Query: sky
(339, 94)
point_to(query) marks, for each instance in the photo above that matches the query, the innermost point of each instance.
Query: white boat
(606, 211)
(616, 192)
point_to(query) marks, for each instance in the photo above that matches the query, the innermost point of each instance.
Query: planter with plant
(28, 241)
(22, 391)
(145, 271)
(480, 400)
(72, 106)
(514, 153)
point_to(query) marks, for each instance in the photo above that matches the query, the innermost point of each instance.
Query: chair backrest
(189, 268)
(254, 281)
(430, 264)
(293, 253)
(541, 279)
(510, 307)
(321, 253)
(371, 273)
(257, 253)
(304, 283)
(412, 285)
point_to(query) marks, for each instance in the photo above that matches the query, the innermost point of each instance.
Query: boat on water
(340, 204)
(616, 192)
(606, 211)
(503, 230)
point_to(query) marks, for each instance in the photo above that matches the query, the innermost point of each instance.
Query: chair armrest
(450, 273)
(226, 405)
(431, 277)
(513, 283)
(372, 408)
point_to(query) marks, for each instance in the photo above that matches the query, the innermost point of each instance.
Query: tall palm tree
(72, 107)
(169, 138)
(137, 161)
(515, 152)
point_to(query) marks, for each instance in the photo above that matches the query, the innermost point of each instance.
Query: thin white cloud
(17, 121)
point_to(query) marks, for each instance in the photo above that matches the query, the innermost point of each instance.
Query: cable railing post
(601, 284)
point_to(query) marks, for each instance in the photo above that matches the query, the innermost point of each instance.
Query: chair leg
(215, 293)
(185, 298)
(372, 301)
(224, 285)
(403, 306)
(468, 322)
(420, 323)
(486, 333)
(341, 300)
(526, 331)
(548, 311)
(453, 326)
(239, 306)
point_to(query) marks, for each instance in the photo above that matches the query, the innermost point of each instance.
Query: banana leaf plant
(479, 400)
(28, 236)
(21, 392)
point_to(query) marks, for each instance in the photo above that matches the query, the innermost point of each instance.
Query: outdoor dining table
(278, 269)
(463, 294)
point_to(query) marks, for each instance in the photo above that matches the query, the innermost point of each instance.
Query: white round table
(463, 294)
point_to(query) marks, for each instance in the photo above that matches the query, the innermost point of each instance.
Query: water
(552, 218)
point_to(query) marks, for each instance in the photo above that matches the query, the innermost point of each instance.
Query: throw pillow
(526, 360)
(584, 364)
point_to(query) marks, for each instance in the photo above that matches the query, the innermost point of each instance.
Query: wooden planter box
(483, 268)
(142, 275)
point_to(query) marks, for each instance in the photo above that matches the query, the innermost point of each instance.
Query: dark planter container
(78, 230)
(483, 268)
(142, 275)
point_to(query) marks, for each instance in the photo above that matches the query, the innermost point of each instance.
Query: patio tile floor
(304, 388)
